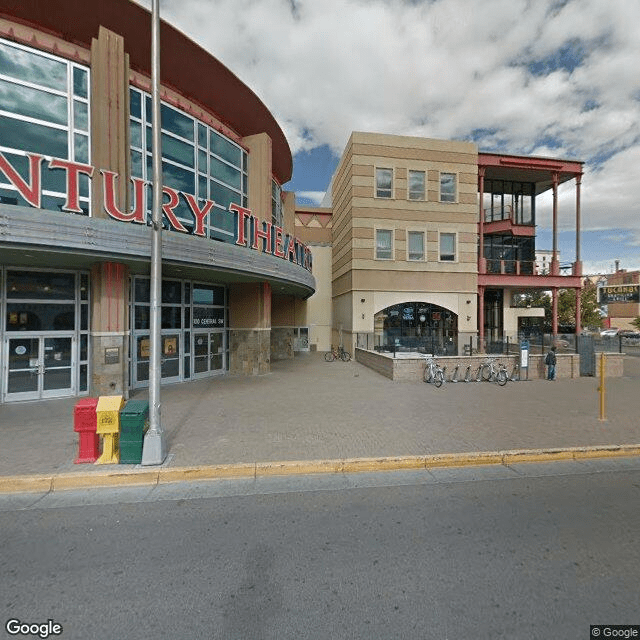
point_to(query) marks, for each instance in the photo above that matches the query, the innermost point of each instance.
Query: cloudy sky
(557, 78)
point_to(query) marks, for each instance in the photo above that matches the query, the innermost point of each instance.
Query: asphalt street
(534, 551)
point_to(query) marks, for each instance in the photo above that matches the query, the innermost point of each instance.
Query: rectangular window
(384, 244)
(448, 247)
(276, 204)
(447, 187)
(416, 185)
(415, 241)
(384, 183)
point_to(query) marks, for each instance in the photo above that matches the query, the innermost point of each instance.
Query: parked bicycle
(493, 371)
(433, 373)
(337, 353)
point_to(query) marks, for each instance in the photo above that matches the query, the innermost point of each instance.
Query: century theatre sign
(250, 231)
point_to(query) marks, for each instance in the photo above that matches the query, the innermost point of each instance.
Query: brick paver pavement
(307, 409)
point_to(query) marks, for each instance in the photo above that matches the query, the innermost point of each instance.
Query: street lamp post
(154, 448)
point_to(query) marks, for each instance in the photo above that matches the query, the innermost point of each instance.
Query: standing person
(550, 361)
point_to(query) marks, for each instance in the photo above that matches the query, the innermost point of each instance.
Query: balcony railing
(525, 268)
(507, 212)
(513, 267)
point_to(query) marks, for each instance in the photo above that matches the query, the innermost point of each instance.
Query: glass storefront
(418, 326)
(194, 340)
(45, 334)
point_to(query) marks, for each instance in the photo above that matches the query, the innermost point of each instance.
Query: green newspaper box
(134, 421)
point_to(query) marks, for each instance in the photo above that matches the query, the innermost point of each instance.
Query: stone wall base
(110, 378)
(410, 368)
(249, 351)
(282, 339)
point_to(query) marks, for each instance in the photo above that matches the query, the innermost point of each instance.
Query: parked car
(630, 337)
(609, 333)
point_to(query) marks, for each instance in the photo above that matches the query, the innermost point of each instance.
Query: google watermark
(615, 631)
(15, 627)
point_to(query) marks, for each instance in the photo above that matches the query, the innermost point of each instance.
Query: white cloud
(447, 69)
(315, 197)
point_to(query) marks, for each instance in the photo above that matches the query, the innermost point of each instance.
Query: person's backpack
(547, 360)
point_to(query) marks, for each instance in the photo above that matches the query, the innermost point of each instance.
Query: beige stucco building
(429, 242)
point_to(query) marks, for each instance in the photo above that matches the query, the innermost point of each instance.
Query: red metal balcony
(505, 220)
(523, 273)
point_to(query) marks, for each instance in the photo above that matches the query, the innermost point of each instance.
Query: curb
(149, 477)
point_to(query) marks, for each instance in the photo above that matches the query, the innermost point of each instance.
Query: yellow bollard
(108, 419)
(601, 388)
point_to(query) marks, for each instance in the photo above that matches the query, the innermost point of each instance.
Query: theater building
(75, 200)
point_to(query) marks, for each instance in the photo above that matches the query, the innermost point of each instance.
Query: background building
(430, 240)
(621, 295)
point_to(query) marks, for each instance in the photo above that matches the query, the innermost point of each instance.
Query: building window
(384, 183)
(416, 185)
(44, 109)
(276, 204)
(196, 159)
(448, 247)
(415, 242)
(447, 187)
(384, 244)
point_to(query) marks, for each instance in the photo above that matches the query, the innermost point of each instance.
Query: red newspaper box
(85, 422)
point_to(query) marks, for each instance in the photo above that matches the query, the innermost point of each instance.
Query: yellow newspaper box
(108, 426)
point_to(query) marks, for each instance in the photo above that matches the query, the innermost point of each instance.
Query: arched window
(418, 326)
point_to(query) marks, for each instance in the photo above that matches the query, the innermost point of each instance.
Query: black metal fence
(502, 345)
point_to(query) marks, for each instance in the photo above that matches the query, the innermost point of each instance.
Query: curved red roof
(184, 65)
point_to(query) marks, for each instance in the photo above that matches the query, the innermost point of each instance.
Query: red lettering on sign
(278, 249)
(243, 215)
(264, 234)
(29, 191)
(199, 214)
(73, 169)
(168, 207)
(274, 240)
(109, 189)
(291, 249)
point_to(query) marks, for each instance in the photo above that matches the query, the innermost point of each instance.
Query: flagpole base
(154, 449)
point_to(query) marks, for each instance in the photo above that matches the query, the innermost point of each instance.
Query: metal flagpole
(154, 449)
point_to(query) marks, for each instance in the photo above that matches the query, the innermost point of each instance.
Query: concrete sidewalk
(310, 410)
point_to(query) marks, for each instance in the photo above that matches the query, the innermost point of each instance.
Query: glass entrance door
(170, 360)
(208, 353)
(56, 366)
(39, 367)
(24, 366)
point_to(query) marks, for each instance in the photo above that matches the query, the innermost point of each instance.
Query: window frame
(455, 246)
(424, 185)
(454, 196)
(77, 128)
(205, 159)
(392, 247)
(424, 245)
(377, 189)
